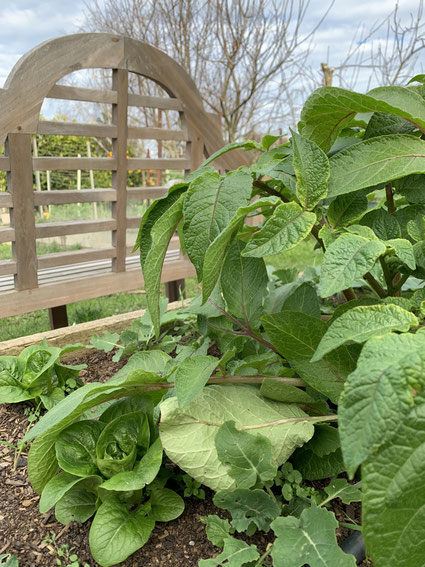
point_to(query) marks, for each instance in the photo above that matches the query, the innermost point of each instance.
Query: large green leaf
(309, 539)
(161, 234)
(347, 208)
(346, 260)
(235, 554)
(404, 250)
(313, 467)
(394, 488)
(76, 448)
(249, 456)
(384, 225)
(243, 281)
(381, 124)
(217, 250)
(210, 203)
(191, 376)
(11, 387)
(117, 532)
(379, 393)
(412, 187)
(296, 336)
(283, 392)
(152, 215)
(166, 505)
(288, 225)
(61, 484)
(116, 448)
(311, 167)
(363, 322)
(143, 473)
(375, 161)
(77, 505)
(303, 298)
(330, 109)
(248, 507)
(197, 425)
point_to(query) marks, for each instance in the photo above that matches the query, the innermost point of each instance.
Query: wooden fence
(30, 281)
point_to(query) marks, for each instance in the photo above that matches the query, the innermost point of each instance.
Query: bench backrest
(29, 281)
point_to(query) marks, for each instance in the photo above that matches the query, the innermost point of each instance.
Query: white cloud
(25, 24)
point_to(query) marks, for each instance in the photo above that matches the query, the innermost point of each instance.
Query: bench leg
(172, 290)
(58, 317)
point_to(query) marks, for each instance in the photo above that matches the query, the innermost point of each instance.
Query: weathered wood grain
(119, 177)
(68, 196)
(20, 185)
(74, 257)
(62, 293)
(76, 129)
(51, 229)
(73, 163)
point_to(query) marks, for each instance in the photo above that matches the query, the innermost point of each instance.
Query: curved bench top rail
(38, 71)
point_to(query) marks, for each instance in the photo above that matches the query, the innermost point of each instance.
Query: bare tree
(388, 58)
(242, 54)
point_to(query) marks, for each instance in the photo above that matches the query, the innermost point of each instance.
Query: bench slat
(74, 227)
(67, 196)
(73, 163)
(58, 128)
(66, 92)
(74, 257)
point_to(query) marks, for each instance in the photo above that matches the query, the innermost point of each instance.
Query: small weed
(66, 556)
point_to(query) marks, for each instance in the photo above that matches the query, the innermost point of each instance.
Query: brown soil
(180, 543)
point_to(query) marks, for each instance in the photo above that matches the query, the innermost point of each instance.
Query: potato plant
(320, 373)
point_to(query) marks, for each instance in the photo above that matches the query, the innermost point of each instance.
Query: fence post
(20, 185)
(119, 177)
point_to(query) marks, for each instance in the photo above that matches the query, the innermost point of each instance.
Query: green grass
(299, 257)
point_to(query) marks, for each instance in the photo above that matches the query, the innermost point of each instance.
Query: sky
(27, 23)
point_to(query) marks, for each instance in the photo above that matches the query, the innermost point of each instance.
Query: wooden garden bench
(29, 281)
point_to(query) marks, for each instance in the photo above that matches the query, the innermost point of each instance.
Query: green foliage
(314, 374)
(111, 461)
(8, 560)
(37, 374)
(310, 538)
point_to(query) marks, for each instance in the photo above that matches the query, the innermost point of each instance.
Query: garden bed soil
(180, 543)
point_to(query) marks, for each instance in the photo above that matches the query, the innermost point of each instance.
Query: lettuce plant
(314, 374)
(38, 374)
(108, 470)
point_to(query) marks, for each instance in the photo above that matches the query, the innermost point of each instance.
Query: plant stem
(227, 379)
(267, 189)
(350, 526)
(247, 331)
(272, 496)
(376, 286)
(315, 233)
(238, 379)
(264, 556)
(387, 275)
(400, 284)
(290, 420)
(349, 294)
(390, 198)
